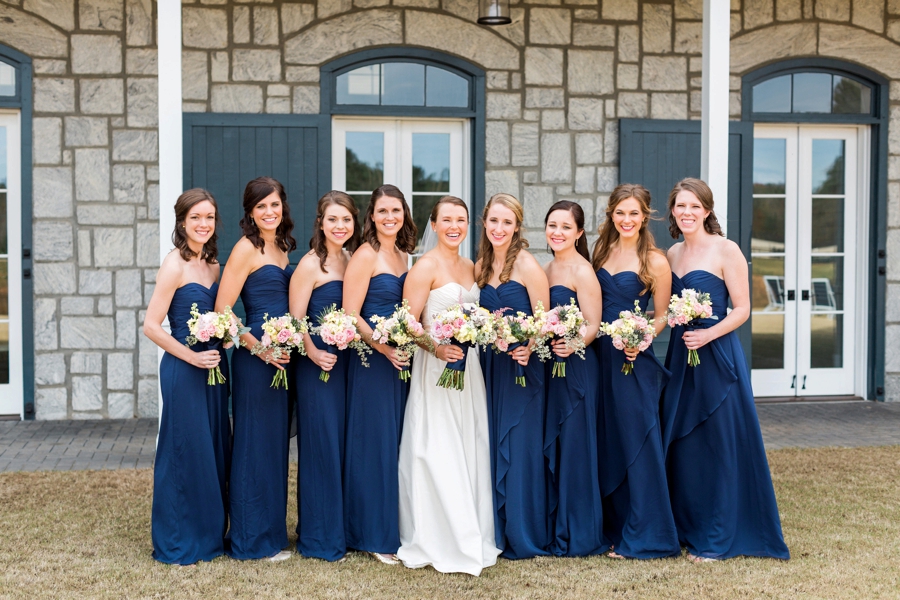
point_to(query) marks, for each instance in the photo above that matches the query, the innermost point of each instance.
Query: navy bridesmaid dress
(258, 485)
(517, 429)
(719, 481)
(376, 399)
(637, 514)
(321, 408)
(570, 445)
(193, 454)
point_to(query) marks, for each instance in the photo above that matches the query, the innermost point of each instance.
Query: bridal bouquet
(564, 322)
(463, 325)
(281, 335)
(338, 330)
(215, 329)
(631, 330)
(685, 310)
(512, 331)
(400, 330)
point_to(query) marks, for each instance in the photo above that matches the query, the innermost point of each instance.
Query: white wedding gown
(446, 499)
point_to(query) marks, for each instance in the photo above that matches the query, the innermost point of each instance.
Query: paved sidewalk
(129, 444)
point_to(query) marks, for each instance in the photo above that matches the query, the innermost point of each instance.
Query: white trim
(715, 100)
(863, 206)
(11, 399)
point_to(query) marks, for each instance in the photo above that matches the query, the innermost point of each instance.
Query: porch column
(714, 124)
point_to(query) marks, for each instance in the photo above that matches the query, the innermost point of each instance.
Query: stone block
(265, 26)
(607, 178)
(620, 10)
(48, 66)
(93, 214)
(141, 61)
(84, 248)
(788, 10)
(892, 340)
(240, 25)
(556, 158)
(611, 142)
(306, 99)
(497, 80)
(237, 98)
(301, 74)
(76, 305)
(52, 369)
(550, 26)
(758, 13)
(536, 202)
(105, 306)
(143, 110)
(893, 7)
(139, 22)
(627, 76)
(113, 247)
(588, 148)
(504, 105)
(125, 329)
(148, 360)
(295, 17)
(584, 180)
(128, 288)
(656, 28)
(152, 173)
(87, 131)
(53, 241)
(148, 398)
(45, 321)
(148, 244)
(497, 143)
(590, 34)
(893, 261)
(329, 8)
(278, 105)
(61, 15)
(894, 208)
(102, 96)
(54, 95)
(515, 81)
(591, 72)
(100, 14)
(668, 106)
(506, 181)
(689, 9)
(90, 363)
(120, 405)
(531, 115)
(220, 66)
(278, 89)
(543, 66)
(833, 10)
(204, 27)
(153, 201)
(629, 46)
(587, 14)
(553, 120)
(31, 35)
(530, 177)
(52, 192)
(96, 54)
(87, 393)
(256, 65)
(688, 38)
(132, 145)
(346, 33)
(46, 135)
(586, 114)
(544, 98)
(664, 73)
(51, 404)
(128, 184)
(476, 43)
(525, 142)
(94, 281)
(776, 42)
(54, 278)
(92, 174)
(86, 332)
(120, 371)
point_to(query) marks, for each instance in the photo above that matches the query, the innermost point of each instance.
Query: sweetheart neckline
(208, 289)
(681, 277)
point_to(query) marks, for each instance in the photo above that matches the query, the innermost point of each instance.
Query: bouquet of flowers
(463, 325)
(281, 335)
(511, 332)
(685, 310)
(338, 330)
(631, 330)
(565, 322)
(214, 329)
(400, 330)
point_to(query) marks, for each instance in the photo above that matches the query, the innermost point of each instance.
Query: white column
(170, 122)
(716, 63)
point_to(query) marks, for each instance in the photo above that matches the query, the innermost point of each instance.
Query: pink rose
(283, 336)
(266, 340)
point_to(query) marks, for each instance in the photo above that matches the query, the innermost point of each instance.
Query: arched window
(402, 84)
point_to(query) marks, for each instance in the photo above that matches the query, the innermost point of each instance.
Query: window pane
(827, 291)
(4, 289)
(768, 341)
(773, 96)
(812, 93)
(359, 86)
(3, 157)
(362, 203)
(851, 97)
(768, 225)
(768, 166)
(828, 166)
(365, 160)
(421, 210)
(768, 284)
(7, 80)
(3, 240)
(828, 225)
(826, 341)
(443, 88)
(403, 84)
(431, 162)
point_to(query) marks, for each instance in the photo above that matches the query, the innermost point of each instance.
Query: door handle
(791, 295)
(803, 387)
(794, 382)
(804, 295)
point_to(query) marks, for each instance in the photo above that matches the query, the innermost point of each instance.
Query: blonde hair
(486, 248)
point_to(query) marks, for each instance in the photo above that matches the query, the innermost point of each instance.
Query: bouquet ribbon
(520, 369)
(693, 355)
(559, 366)
(453, 376)
(326, 375)
(215, 374)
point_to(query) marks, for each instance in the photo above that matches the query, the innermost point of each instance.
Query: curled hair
(317, 241)
(406, 237)
(254, 193)
(486, 248)
(183, 206)
(609, 235)
(581, 244)
(699, 188)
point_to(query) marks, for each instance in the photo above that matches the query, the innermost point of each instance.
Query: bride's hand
(449, 353)
(392, 355)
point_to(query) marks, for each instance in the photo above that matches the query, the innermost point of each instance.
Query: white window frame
(11, 394)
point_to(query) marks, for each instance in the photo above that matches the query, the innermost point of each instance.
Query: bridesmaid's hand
(697, 338)
(521, 355)
(449, 353)
(631, 353)
(322, 358)
(398, 359)
(208, 359)
(562, 349)
(268, 357)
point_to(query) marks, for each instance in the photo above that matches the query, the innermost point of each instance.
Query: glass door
(803, 247)
(11, 378)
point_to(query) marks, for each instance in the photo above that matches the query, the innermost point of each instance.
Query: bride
(446, 501)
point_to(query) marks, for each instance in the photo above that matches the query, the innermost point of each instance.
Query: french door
(425, 158)
(11, 377)
(808, 205)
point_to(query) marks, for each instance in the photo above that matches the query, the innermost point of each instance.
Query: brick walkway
(129, 444)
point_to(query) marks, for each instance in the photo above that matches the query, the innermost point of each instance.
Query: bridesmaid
(376, 397)
(719, 482)
(511, 280)
(259, 272)
(190, 511)
(316, 284)
(637, 516)
(570, 441)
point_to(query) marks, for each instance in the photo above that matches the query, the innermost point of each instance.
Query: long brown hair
(486, 248)
(183, 206)
(317, 241)
(406, 237)
(256, 190)
(699, 188)
(581, 244)
(609, 235)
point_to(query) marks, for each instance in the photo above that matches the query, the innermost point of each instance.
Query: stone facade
(559, 78)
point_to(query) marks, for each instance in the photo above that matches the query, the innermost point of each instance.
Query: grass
(87, 535)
